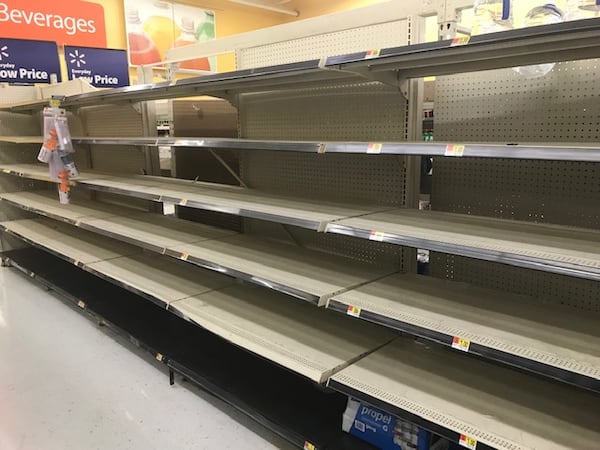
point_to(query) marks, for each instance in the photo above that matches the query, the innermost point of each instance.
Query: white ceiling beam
(267, 6)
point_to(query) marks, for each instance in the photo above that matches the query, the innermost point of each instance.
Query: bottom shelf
(471, 402)
(282, 401)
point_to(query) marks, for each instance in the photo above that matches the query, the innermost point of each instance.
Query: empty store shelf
(471, 401)
(304, 213)
(305, 274)
(515, 330)
(312, 342)
(551, 248)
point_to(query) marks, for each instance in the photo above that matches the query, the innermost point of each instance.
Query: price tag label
(374, 149)
(160, 357)
(184, 256)
(309, 446)
(467, 442)
(460, 41)
(373, 54)
(354, 311)
(183, 202)
(461, 344)
(377, 236)
(81, 304)
(455, 150)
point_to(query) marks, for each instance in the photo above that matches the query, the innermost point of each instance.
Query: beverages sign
(100, 67)
(64, 21)
(28, 61)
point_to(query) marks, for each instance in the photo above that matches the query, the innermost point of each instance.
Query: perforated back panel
(501, 106)
(110, 121)
(383, 35)
(363, 179)
(546, 287)
(366, 111)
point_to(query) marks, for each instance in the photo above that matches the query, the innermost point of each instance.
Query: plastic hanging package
(57, 149)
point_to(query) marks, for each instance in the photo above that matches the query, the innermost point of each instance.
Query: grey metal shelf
(557, 249)
(550, 248)
(565, 41)
(314, 343)
(295, 271)
(472, 401)
(515, 330)
(556, 152)
(305, 213)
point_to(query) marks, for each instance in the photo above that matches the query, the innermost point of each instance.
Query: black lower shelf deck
(291, 406)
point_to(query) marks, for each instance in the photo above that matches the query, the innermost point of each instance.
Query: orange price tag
(455, 150)
(377, 236)
(460, 41)
(373, 54)
(354, 311)
(461, 344)
(374, 149)
(467, 442)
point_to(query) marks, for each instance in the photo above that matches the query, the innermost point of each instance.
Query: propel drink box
(381, 429)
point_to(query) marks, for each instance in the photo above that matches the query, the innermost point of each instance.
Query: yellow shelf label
(6, 171)
(467, 442)
(309, 446)
(184, 256)
(461, 344)
(460, 41)
(373, 54)
(455, 150)
(374, 149)
(354, 311)
(183, 202)
(159, 357)
(81, 304)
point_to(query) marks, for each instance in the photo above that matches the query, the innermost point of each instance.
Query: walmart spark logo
(3, 52)
(77, 58)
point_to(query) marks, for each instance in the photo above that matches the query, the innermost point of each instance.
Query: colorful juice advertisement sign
(153, 27)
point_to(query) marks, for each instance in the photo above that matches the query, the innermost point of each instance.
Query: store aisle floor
(67, 384)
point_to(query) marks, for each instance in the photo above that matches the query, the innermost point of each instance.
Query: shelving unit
(492, 406)
(347, 255)
(553, 152)
(301, 273)
(515, 330)
(295, 408)
(291, 334)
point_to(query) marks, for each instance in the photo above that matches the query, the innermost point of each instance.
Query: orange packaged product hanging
(64, 190)
(49, 146)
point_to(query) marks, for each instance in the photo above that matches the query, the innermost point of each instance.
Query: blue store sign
(28, 62)
(100, 67)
